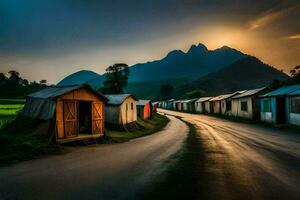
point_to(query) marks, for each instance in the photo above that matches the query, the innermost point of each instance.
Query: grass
(185, 179)
(146, 127)
(9, 108)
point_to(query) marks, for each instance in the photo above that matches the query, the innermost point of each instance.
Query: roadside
(23, 138)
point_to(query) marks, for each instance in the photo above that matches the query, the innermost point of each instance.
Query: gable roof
(286, 90)
(142, 102)
(53, 92)
(118, 99)
(202, 99)
(249, 93)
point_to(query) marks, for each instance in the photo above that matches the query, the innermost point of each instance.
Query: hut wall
(207, 106)
(128, 111)
(82, 94)
(268, 115)
(216, 105)
(147, 111)
(237, 107)
(293, 112)
(112, 114)
(198, 107)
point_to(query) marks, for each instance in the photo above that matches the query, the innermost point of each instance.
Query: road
(113, 171)
(247, 161)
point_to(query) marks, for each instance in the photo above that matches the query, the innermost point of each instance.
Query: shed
(216, 104)
(294, 107)
(247, 104)
(169, 104)
(144, 109)
(275, 104)
(189, 105)
(155, 105)
(77, 112)
(120, 109)
(200, 104)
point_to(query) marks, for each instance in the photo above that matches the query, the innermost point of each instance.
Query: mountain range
(221, 70)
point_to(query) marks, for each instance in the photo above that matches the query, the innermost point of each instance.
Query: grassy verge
(146, 127)
(21, 140)
(9, 108)
(185, 179)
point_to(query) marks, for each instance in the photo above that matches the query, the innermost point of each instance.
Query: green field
(9, 108)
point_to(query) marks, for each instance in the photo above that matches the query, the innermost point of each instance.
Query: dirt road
(115, 171)
(247, 161)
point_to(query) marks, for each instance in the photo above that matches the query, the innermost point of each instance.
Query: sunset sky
(49, 39)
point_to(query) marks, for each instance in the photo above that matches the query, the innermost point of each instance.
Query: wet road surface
(247, 161)
(116, 171)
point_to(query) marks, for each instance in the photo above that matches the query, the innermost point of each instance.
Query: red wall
(147, 111)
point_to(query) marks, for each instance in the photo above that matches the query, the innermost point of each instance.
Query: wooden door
(97, 118)
(70, 119)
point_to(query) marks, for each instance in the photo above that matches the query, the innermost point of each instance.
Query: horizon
(59, 38)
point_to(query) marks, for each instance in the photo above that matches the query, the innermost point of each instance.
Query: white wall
(294, 119)
(237, 108)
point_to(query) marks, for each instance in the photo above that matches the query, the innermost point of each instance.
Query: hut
(200, 104)
(189, 105)
(144, 109)
(275, 106)
(216, 104)
(76, 112)
(120, 109)
(294, 107)
(169, 104)
(226, 102)
(246, 104)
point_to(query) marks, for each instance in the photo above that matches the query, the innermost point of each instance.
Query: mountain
(197, 62)
(79, 77)
(246, 73)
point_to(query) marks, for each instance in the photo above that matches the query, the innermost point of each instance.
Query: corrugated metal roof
(117, 99)
(142, 102)
(283, 91)
(218, 98)
(202, 99)
(296, 92)
(249, 93)
(55, 91)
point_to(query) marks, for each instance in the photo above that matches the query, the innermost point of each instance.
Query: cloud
(271, 16)
(294, 37)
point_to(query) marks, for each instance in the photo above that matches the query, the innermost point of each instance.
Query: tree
(193, 94)
(295, 73)
(166, 91)
(116, 78)
(43, 82)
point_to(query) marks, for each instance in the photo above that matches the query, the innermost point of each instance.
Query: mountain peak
(175, 53)
(201, 48)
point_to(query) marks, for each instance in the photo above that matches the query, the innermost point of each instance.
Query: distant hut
(120, 109)
(200, 104)
(275, 107)
(144, 109)
(169, 104)
(216, 104)
(247, 104)
(226, 102)
(76, 112)
(189, 105)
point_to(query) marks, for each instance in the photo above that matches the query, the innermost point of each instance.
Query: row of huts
(80, 112)
(281, 106)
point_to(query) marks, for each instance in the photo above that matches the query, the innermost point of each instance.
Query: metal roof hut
(275, 107)
(226, 102)
(200, 104)
(144, 109)
(189, 105)
(247, 104)
(77, 112)
(120, 109)
(216, 104)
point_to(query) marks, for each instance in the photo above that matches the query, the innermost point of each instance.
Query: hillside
(245, 73)
(79, 77)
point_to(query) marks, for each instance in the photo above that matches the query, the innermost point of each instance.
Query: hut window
(244, 106)
(295, 105)
(131, 106)
(267, 105)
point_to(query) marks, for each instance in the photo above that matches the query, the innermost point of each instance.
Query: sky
(50, 39)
